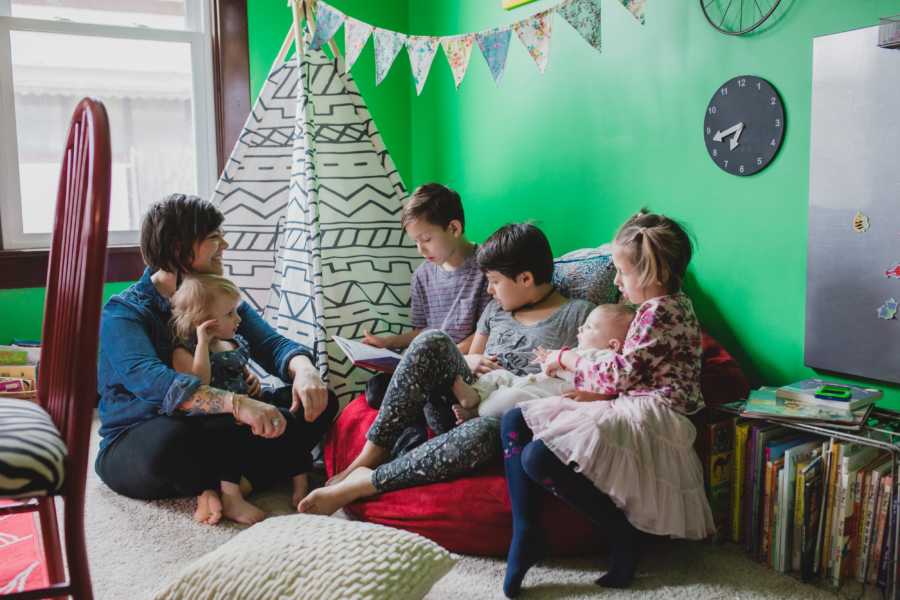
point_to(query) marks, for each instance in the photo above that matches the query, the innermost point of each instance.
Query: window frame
(226, 50)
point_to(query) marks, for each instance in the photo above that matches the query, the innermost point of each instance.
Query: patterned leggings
(427, 370)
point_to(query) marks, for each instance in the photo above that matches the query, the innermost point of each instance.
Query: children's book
(368, 357)
(719, 474)
(805, 391)
(787, 499)
(812, 503)
(741, 433)
(764, 403)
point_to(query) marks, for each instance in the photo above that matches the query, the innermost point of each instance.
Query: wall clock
(737, 17)
(744, 125)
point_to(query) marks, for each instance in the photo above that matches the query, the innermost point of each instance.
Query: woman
(526, 312)
(164, 434)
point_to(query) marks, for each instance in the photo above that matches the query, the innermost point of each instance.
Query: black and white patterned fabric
(32, 452)
(312, 203)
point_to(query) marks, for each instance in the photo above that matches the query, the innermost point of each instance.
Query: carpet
(134, 547)
(21, 553)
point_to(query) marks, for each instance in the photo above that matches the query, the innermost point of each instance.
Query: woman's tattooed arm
(208, 401)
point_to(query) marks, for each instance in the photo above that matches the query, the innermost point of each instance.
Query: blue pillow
(587, 274)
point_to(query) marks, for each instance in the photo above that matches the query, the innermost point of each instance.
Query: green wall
(599, 135)
(23, 310)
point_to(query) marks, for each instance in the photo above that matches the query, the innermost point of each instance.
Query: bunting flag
(421, 49)
(534, 33)
(494, 45)
(356, 34)
(458, 50)
(328, 21)
(387, 47)
(584, 16)
(635, 7)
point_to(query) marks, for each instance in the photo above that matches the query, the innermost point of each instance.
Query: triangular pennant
(494, 46)
(584, 16)
(534, 33)
(356, 34)
(421, 50)
(387, 46)
(635, 7)
(328, 20)
(458, 50)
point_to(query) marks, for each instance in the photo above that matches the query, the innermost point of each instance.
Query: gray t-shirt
(512, 342)
(448, 300)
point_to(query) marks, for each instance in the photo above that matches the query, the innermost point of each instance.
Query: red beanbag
(472, 515)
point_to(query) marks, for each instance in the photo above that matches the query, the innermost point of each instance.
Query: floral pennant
(387, 47)
(421, 49)
(534, 33)
(356, 34)
(328, 20)
(494, 46)
(584, 16)
(458, 50)
(635, 7)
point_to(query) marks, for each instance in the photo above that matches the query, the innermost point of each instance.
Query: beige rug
(135, 547)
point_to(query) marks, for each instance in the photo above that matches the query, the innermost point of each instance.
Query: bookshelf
(881, 431)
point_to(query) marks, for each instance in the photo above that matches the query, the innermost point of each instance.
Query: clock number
(758, 86)
(713, 110)
(777, 122)
(724, 91)
(708, 131)
(741, 169)
(726, 163)
(759, 160)
(773, 101)
(772, 143)
(715, 152)
(742, 82)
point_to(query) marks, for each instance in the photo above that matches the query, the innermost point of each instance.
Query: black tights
(531, 468)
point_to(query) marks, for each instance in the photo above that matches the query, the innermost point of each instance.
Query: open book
(368, 357)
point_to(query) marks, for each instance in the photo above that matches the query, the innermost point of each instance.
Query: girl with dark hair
(526, 312)
(167, 434)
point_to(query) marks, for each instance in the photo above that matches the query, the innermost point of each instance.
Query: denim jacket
(135, 378)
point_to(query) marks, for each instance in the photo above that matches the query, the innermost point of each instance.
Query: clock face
(744, 125)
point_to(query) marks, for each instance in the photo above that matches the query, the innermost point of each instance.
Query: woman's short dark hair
(516, 248)
(172, 226)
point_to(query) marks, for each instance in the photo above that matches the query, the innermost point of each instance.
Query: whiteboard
(854, 167)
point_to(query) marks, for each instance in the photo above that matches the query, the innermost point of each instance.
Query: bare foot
(463, 414)
(301, 489)
(465, 393)
(235, 508)
(370, 456)
(209, 508)
(328, 500)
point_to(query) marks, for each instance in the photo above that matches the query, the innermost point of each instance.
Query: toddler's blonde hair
(621, 314)
(192, 300)
(658, 246)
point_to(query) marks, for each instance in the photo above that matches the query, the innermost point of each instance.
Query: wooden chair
(67, 379)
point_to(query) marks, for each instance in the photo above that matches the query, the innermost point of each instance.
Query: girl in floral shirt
(628, 463)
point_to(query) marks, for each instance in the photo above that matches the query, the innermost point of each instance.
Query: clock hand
(734, 129)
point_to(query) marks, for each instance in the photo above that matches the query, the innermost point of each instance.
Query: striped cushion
(31, 451)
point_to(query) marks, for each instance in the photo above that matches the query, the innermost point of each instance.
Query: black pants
(181, 455)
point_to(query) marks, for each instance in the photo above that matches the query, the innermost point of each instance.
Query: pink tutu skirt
(636, 450)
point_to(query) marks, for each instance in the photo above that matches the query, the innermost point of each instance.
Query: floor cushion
(315, 558)
(472, 515)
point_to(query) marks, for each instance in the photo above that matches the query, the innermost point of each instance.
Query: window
(149, 61)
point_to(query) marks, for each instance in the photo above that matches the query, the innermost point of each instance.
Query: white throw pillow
(312, 557)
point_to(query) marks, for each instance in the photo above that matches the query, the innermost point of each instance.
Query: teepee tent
(312, 202)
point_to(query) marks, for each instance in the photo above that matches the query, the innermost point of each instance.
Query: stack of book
(802, 401)
(18, 371)
(822, 508)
